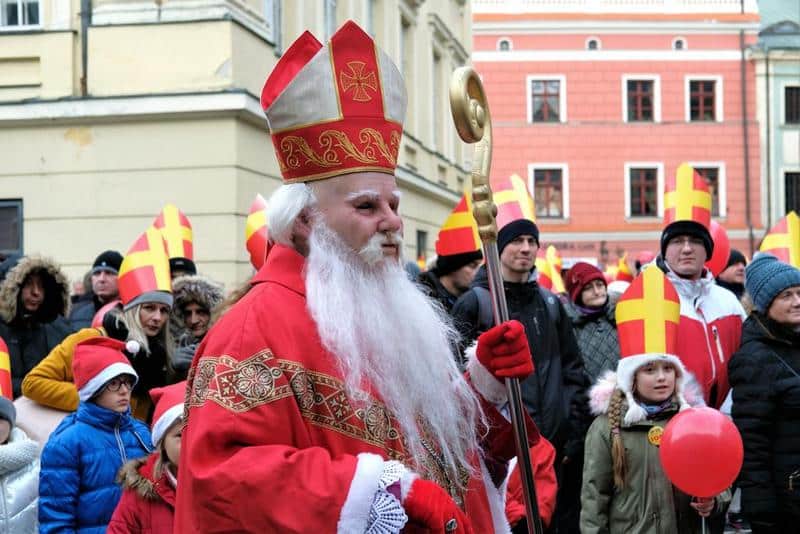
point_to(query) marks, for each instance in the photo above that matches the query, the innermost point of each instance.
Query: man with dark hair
(104, 289)
(732, 277)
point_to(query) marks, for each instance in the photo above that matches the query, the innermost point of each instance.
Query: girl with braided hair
(624, 486)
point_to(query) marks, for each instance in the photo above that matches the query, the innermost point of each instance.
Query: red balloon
(97, 320)
(701, 452)
(722, 249)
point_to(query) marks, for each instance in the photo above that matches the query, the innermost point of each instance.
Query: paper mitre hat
(5, 371)
(256, 232)
(783, 240)
(513, 201)
(459, 233)
(144, 274)
(176, 230)
(335, 109)
(624, 272)
(647, 316)
(687, 206)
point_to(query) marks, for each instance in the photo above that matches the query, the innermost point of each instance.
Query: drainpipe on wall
(746, 147)
(768, 100)
(86, 20)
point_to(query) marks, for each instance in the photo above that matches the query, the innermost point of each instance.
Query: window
(711, 176)
(422, 245)
(702, 100)
(678, 44)
(548, 194)
(19, 13)
(504, 44)
(640, 100)
(792, 105)
(592, 44)
(643, 191)
(10, 226)
(792, 191)
(547, 100)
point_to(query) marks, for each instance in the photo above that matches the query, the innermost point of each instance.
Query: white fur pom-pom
(133, 347)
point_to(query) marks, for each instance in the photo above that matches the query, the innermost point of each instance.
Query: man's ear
(301, 231)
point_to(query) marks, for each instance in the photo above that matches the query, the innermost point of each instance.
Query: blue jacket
(77, 487)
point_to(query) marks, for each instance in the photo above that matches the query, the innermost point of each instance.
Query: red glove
(431, 509)
(504, 351)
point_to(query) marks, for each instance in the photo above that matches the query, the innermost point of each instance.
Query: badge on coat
(654, 435)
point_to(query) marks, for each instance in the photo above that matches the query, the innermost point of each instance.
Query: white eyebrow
(370, 194)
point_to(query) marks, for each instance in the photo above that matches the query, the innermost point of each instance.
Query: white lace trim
(386, 516)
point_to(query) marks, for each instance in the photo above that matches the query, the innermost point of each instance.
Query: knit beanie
(513, 230)
(690, 228)
(109, 261)
(168, 408)
(182, 265)
(765, 277)
(8, 411)
(578, 276)
(452, 263)
(735, 257)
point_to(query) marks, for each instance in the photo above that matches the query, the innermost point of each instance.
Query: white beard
(386, 333)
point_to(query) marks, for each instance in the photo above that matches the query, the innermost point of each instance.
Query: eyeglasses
(116, 383)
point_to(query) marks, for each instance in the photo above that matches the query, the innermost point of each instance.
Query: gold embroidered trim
(337, 147)
(239, 386)
(359, 81)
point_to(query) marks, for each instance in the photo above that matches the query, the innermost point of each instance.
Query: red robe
(273, 444)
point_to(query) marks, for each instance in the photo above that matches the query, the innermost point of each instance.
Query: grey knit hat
(8, 411)
(766, 276)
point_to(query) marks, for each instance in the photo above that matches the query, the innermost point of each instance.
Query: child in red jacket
(148, 502)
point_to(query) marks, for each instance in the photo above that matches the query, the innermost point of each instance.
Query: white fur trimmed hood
(56, 300)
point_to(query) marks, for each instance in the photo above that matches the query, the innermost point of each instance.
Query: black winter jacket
(555, 394)
(765, 376)
(431, 286)
(597, 339)
(31, 337)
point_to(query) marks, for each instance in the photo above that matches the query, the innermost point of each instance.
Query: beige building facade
(110, 109)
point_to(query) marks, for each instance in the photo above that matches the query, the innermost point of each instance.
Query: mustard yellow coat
(51, 383)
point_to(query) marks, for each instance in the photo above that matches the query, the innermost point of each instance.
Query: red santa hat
(169, 408)
(97, 360)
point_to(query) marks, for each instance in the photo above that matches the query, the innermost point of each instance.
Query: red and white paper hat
(169, 408)
(96, 361)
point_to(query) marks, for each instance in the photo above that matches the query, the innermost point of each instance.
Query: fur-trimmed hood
(600, 394)
(137, 475)
(193, 288)
(56, 299)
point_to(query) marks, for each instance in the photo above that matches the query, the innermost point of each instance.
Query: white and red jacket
(709, 333)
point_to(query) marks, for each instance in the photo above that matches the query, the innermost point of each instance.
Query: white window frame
(564, 168)
(593, 38)
(685, 43)
(722, 182)
(656, 79)
(562, 95)
(659, 166)
(719, 92)
(782, 90)
(18, 27)
(507, 40)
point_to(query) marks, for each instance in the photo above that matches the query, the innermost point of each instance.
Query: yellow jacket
(51, 383)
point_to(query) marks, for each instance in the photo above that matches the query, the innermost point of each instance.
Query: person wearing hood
(732, 277)
(147, 505)
(711, 317)
(34, 300)
(77, 489)
(765, 376)
(195, 297)
(624, 485)
(141, 320)
(593, 321)
(19, 473)
(555, 395)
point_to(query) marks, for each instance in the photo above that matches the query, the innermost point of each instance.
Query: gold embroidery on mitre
(359, 81)
(336, 147)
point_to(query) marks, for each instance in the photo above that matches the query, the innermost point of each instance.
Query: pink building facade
(597, 102)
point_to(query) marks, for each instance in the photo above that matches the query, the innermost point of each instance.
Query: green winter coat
(648, 503)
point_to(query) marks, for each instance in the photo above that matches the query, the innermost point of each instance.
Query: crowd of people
(332, 393)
